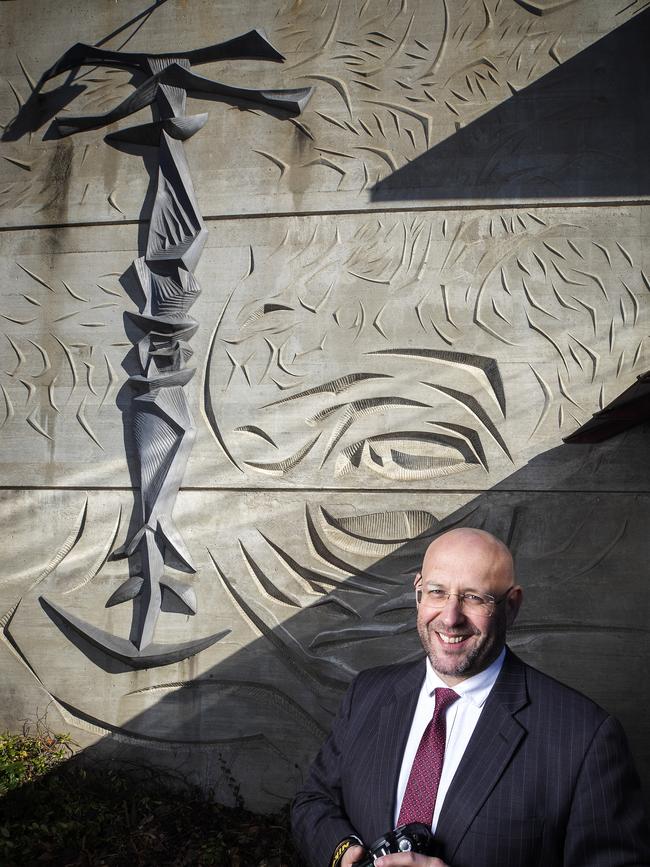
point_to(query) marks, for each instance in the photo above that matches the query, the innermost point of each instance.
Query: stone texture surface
(410, 295)
(395, 82)
(320, 336)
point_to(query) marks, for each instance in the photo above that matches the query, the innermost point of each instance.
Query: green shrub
(25, 757)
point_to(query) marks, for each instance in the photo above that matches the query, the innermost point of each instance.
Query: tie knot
(444, 697)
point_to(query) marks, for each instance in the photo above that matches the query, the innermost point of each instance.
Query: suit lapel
(495, 739)
(394, 722)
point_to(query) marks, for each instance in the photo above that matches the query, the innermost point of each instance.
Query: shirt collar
(475, 688)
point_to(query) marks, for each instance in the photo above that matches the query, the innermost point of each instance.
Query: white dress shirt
(461, 719)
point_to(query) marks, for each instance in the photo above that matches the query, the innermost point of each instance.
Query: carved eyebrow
(334, 386)
(263, 310)
(282, 466)
(482, 364)
(474, 407)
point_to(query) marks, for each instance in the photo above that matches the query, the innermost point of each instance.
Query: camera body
(414, 837)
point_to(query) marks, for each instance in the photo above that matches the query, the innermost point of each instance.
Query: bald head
(481, 552)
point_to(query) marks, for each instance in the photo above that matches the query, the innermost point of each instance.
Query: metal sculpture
(163, 428)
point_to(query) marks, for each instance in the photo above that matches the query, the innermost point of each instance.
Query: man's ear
(513, 604)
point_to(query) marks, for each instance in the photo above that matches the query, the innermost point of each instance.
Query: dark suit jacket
(546, 778)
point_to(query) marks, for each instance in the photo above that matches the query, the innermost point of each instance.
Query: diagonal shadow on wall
(575, 516)
(580, 131)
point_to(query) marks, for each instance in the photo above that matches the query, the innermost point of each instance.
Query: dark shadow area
(581, 547)
(579, 131)
(90, 812)
(630, 408)
(39, 109)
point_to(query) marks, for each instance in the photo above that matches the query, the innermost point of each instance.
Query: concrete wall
(410, 294)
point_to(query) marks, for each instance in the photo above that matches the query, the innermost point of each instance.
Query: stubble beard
(476, 659)
(450, 668)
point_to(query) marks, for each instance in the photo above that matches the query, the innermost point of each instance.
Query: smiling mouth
(452, 639)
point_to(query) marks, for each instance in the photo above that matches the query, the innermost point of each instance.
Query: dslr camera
(414, 837)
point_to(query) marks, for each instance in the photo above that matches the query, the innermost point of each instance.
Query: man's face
(461, 641)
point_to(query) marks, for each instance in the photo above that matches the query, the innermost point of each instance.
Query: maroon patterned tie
(424, 779)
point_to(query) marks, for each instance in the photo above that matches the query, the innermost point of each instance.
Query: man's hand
(404, 859)
(353, 854)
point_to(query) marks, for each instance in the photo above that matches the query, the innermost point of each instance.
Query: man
(513, 769)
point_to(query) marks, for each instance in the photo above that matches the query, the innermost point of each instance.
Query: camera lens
(405, 846)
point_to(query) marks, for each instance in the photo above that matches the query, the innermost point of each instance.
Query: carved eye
(408, 455)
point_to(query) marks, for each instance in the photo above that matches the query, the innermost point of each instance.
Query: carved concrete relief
(421, 349)
(63, 345)
(161, 424)
(396, 81)
(370, 368)
(351, 352)
(307, 609)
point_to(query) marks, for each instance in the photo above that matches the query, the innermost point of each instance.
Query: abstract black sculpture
(162, 425)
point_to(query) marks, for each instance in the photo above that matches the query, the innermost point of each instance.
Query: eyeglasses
(436, 598)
